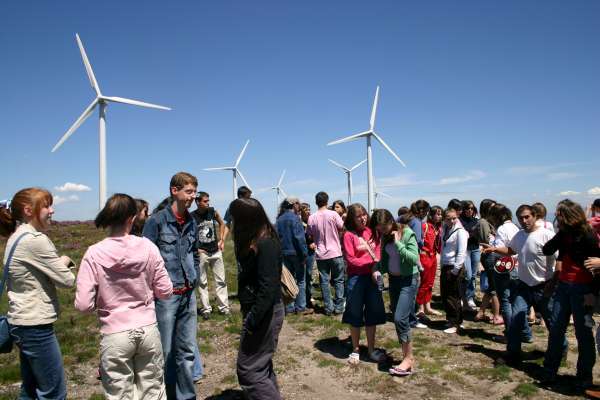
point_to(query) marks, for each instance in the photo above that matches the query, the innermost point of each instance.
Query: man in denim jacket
(174, 231)
(293, 246)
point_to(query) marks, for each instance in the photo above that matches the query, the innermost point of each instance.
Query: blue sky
(479, 98)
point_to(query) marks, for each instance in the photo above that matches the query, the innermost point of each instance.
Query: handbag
(505, 264)
(289, 289)
(6, 341)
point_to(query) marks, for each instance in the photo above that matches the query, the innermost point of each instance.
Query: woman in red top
(431, 247)
(575, 242)
(364, 303)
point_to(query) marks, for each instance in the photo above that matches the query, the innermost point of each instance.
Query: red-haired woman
(34, 272)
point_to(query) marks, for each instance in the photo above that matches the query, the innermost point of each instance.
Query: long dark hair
(351, 213)
(571, 217)
(382, 216)
(250, 223)
(499, 214)
(432, 212)
(117, 210)
(485, 207)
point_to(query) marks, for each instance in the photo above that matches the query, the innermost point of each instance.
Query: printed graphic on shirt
(206, 232)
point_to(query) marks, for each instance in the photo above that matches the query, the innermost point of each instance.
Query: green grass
(498, 373)
(525, 390)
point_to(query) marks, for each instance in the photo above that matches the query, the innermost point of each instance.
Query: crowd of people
(142, 280)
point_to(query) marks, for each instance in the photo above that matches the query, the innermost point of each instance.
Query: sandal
(354, 359)
(395, 371)
(378, 356)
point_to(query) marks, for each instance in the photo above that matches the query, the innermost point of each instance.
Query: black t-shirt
(207, 230)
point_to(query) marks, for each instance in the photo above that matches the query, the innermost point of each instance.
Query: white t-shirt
(534, 266)
(504, 234)
(540, 223)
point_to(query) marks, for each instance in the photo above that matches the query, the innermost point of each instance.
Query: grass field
(311, 354)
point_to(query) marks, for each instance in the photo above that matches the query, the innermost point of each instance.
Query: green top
(408, 254)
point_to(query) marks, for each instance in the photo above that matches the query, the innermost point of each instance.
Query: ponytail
(7, 223)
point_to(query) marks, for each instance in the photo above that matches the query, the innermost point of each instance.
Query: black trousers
(450, 288)
(255, 357)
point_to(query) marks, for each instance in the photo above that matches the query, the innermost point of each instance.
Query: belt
(181, 290)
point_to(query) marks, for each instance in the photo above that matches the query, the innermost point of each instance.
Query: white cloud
(65, 199)
(471, 176)
(72, 187)
(595, 191)
(569, 193)
(558, 176)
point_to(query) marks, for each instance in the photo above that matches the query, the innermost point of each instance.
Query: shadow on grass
(340, 349)
(531, 365)
(478, 333)
(229, 394)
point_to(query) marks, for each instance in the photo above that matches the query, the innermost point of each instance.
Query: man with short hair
(211, 229)
(174, 232)
(536, 277)
(325, 226)
(294, 250)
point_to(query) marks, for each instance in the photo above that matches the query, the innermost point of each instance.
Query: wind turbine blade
(88, 111)
(385, 195)
(388, 148)
(88, 66)
(283, 192)
(374, 109)
(244, 179)
(281, 178)
(358, 165)
(219, 169)
(134, 102)
(237, 162)
(350, 138)
(337, 164)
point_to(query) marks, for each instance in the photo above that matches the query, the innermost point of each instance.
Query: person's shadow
(341, 349)
(229, 394)
(531, 365)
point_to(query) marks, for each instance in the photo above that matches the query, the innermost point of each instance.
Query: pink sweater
(358, 259)
(120, 277)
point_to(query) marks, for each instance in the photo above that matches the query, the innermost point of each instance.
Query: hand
(592, 263)
(66, 260)
(397, 236)
(312, 246)
(200, 251)
(589, 300)
(375, 276)
(221, 245)
(487, 248)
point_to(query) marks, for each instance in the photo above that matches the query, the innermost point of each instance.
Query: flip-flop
(395, 371)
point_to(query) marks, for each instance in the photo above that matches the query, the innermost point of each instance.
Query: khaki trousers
(214, 262)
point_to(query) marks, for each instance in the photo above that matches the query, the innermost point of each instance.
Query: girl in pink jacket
(119, 278)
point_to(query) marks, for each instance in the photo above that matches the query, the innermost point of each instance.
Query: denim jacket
(291, 235)
(178, 248)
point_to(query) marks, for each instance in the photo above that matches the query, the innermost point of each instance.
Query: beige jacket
(33, 275)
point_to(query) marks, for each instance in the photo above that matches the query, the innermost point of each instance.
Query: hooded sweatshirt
(120, 277)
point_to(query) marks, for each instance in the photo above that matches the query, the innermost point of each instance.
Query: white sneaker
(472, 304)
(421, 325)
(450, 330)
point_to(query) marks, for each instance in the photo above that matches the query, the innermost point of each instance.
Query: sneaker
(421, 325)
(354, 359)
(472, 304)
(451, 330)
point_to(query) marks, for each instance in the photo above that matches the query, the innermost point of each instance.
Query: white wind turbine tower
(236, 171)
(102, 101)
(369, 135)
(279, 191)
(348, 172)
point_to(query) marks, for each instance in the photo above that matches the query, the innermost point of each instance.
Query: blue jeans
(364, 305)
(505, 285)
(403, 294)
(471, 264)
(42, 372)
(568, 300)
(297, 267)
(332, 268)
(198, 367)
(310, 261)
(177, 320)
(523, 297)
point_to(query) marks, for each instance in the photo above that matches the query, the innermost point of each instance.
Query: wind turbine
(279, 191)
(348, 172)
(236, 171)
(382, 194)
(102, 101)
(369, 135)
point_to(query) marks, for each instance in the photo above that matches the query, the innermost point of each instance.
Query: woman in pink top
(120, 277)
(364, 303)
